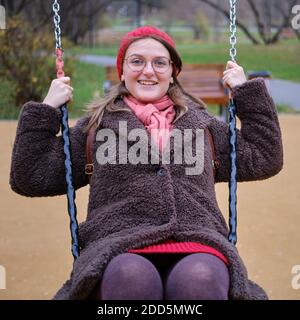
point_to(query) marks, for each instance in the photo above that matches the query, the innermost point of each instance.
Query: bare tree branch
(260, 19)
(286, 18)
(259, 23)
(238, 23)
(21, 6)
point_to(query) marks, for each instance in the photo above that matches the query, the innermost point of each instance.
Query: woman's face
(147, 85)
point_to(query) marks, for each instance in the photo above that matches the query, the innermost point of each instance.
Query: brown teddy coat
(132, 206)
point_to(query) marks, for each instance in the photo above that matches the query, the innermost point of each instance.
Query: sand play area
(35, 240)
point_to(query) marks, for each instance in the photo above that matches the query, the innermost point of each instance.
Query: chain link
(232, 237)
(57, 32)
(56, 20)
(72, 210)
(232, 28)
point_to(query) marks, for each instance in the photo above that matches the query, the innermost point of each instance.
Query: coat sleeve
(37, 165)
(259, 144)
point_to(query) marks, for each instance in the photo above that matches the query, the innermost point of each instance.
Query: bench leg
(223, 113)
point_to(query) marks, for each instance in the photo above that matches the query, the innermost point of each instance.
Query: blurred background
(34, 235)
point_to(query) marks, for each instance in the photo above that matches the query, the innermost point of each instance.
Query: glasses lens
(136, 63)
(159, 64)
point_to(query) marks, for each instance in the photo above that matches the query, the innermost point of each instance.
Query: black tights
(197, 276)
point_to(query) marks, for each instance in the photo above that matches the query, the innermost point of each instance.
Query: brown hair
(176, 93)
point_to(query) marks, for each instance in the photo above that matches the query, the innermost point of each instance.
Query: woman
(153, 229)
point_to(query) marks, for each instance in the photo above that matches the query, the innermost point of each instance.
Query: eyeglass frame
(137, 55)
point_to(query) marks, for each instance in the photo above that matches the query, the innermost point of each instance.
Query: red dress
(171, 246)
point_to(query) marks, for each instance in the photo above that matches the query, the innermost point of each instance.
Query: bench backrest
(203, 81)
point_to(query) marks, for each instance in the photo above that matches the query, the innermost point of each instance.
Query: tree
(263, 21)
(78, 17)
(26, 60)
(200, 26)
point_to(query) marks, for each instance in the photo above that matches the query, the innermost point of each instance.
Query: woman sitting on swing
(153, 231)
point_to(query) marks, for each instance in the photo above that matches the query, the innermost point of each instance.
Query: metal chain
(72, 210)
(232, 237)
(56, 20)
(232, 28)
(57, 32)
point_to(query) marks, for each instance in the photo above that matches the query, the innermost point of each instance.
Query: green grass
(107, 51)
(282, 60)
(87, 83)
(282, 108)
(7, 109)
(213, 109)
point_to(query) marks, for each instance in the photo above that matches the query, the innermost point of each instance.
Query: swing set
(72, 211)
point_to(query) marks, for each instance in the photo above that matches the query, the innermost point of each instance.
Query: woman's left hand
(233, 75)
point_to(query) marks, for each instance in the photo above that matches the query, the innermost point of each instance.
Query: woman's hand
(59, 93)
(233, 75)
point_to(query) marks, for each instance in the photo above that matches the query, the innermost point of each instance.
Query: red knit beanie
(138, 33)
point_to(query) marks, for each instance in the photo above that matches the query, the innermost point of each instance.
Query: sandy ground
(35, 240)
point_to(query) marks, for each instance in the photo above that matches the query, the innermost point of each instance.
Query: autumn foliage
(27, 60)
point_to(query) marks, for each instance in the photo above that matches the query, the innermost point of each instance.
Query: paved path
(98, 60)
(286, 92)
(282, 91)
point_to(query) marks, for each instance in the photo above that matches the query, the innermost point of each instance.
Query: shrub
(27, 61)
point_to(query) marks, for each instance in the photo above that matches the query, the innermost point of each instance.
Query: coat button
(160, 172)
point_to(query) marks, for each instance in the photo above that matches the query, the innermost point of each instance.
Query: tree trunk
(196, 34)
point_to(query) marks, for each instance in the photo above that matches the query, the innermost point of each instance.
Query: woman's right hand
(59, 93)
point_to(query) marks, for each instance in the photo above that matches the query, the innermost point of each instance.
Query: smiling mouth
(147, 82)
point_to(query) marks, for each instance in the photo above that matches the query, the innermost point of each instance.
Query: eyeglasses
(137, 63)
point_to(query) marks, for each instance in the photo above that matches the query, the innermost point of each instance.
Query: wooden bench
(203, 81)
(110, 78)
(287, 33)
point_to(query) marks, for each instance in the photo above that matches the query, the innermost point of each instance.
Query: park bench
(110, 78)
(287, 33)
(203, 81)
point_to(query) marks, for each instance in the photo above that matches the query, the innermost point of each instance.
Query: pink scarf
(157, 115)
